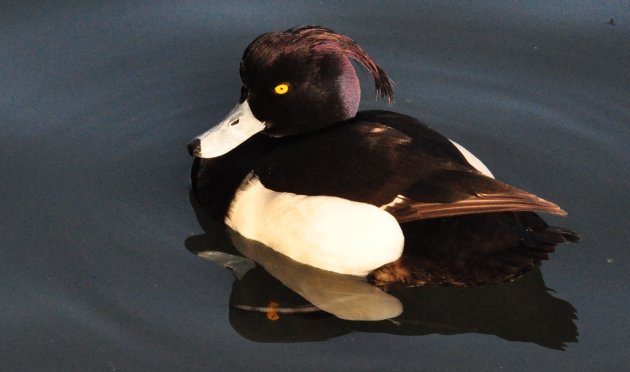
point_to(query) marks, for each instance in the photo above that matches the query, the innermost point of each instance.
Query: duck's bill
(239, 125)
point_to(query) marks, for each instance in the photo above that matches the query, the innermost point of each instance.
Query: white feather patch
(326, 232)
(472, 159)
(399, 199)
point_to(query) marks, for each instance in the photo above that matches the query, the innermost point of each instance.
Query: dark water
(97, 102)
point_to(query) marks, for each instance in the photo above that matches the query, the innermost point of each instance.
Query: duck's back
(391, 161)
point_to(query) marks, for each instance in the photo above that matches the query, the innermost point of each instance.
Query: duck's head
(294, 82)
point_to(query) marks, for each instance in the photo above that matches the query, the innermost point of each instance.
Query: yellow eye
(281, 89)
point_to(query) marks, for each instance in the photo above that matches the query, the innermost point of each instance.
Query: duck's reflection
(523, 310)
(345, 296)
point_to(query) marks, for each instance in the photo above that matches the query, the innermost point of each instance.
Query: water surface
(99, 99)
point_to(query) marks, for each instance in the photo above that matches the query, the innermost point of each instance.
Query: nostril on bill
(194, 147)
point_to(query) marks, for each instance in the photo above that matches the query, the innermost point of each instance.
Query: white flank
(326, 232)
(472, 159)
(236, 128)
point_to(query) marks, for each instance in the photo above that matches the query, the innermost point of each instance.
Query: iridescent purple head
(302, 79)
(294, 82)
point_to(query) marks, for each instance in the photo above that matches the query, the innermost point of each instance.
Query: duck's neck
(215, 180)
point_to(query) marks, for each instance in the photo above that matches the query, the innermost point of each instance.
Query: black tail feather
(471, 250)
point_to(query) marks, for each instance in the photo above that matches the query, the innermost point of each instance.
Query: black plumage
(462, 227)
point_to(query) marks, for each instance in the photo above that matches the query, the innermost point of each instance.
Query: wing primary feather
(405, 209)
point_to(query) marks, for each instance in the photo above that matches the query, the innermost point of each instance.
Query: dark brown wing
(404, 167)
(471, 193)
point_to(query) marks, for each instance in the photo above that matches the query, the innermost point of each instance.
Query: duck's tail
(472, 250)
